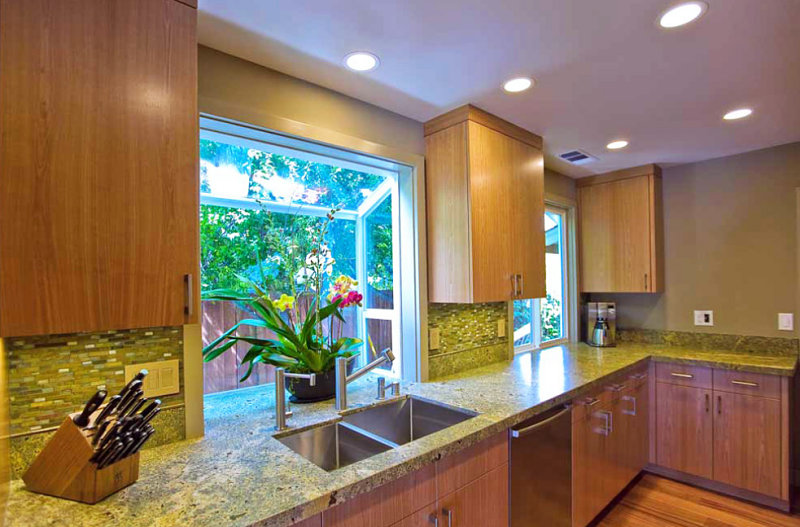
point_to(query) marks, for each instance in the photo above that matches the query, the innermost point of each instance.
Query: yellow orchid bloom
(284, 302)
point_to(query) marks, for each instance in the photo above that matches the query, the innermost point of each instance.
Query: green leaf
(219, 351)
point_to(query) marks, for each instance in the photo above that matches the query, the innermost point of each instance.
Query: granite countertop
(240, 475)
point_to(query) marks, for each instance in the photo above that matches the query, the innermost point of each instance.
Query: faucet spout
(342, 379)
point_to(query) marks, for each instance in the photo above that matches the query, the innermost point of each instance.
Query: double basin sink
(373, 430)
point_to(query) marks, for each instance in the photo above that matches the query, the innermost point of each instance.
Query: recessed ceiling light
(740, 113)
(361, 61)
(616, 145)
(518, 84)
(682, 14)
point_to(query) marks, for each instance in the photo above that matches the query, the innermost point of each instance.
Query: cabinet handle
(646, 285)
(513, 286)
(516, 434)
(590, 401)
(188, 307)
(746, 383)
(617, 387)
(719, 404)
(449, 514)
(707, 402)
(682, 375)
(633, 400)
(434, 519)
(609, 422)
(638, 376)
(521, 284)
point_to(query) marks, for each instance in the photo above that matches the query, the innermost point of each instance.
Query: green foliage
(296, 347)
(551, 318)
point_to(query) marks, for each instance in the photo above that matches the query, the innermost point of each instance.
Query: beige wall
(234, 88)
(730, 228)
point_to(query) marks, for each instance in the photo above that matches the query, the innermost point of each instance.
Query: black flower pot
(323, 389)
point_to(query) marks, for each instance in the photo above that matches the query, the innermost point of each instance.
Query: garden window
(263, 196)
(545, 321)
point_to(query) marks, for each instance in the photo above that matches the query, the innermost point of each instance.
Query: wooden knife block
(63, 469)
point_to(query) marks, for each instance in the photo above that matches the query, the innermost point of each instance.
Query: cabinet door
(98, 160)
(387, 504)
(493, 219)
(592, 464)
(616, 236)
(630, 435)
(482, 503)
(528, 221)
(684, 424)
(747, 442)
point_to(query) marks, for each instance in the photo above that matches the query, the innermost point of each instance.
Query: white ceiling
(603, 68)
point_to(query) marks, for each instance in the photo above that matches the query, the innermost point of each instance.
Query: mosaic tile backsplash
(468, 337)
(51, 376)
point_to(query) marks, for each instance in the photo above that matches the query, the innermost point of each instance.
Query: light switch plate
(501, 328)
(162, 379)
(703, 318)
(786, 321)
(433, 339)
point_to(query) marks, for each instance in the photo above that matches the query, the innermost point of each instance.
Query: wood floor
(660, 502)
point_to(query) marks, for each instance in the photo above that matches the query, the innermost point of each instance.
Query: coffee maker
(601, 324)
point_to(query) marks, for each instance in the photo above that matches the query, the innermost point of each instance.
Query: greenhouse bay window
(265, 198)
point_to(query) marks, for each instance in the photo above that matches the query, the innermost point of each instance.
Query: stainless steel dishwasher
(541, 470)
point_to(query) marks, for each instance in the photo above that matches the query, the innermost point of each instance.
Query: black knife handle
(93, 404)
(107, 409)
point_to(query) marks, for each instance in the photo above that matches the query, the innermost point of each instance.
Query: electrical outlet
(162, 377)
(433, 339)
(501, 327)
(786, 321)
(703, 318)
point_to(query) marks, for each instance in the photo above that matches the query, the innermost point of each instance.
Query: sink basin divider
(374, 437)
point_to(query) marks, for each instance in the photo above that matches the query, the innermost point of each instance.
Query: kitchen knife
(150, 417)
(138, 377)
(136, 407)
(100, 431)
(93, 404)
(134, 397)
(110, 454)
(106, 411)
(150, 408)
(130, 392)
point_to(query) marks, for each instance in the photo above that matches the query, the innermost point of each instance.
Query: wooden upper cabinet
(621, 231)
(485, 209)
(98, 165)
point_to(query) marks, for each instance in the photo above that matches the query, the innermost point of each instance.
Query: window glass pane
(551, 306)
(523, 322)
(380, 331)
(231, 171)
(379, 256)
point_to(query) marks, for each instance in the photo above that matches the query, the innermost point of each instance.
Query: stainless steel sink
(335, 445)
(407, 419)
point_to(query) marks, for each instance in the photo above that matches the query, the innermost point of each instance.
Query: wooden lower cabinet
(471, 484)
(684, 437)
(733, 438)
(747, 442)
(314, 521)
(482, 503)
(592, 454)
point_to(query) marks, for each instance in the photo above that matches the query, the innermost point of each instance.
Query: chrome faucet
(281, 412)
(342, 379)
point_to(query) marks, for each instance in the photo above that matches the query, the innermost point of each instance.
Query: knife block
(63, 469)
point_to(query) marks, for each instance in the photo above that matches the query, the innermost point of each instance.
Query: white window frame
(567, 209)
(404, 188)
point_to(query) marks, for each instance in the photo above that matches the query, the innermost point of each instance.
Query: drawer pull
(616, 387)
(631, 399)
(638, 376)
(434, 519)
(449, 515)
(707, 400)
(608, 425)
(590, 401)
(682, 375)
(745, 383)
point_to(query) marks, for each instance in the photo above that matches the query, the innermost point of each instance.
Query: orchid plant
(300, 345)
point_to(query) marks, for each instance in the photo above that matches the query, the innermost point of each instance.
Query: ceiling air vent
(577, 157)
